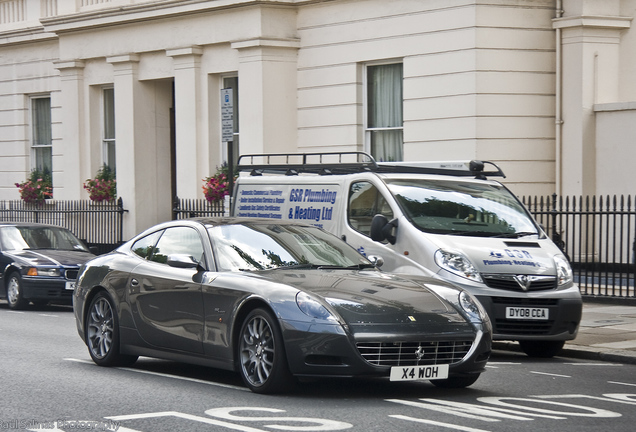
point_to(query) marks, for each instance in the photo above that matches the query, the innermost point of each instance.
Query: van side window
(365, 201)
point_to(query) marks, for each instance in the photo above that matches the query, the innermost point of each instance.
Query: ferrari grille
(413, 353)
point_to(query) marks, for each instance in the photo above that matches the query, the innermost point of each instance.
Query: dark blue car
(39, 263)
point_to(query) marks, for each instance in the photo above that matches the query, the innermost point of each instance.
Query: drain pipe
(558, 97)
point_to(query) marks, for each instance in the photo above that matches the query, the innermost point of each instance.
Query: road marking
(436, 423)
(593, 364)
(621, 383)
(48, 315)
(164, 375)
(550, 374)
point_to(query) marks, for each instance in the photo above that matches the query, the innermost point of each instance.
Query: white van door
(365, 200)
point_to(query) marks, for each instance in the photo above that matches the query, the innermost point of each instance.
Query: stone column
(191, 153)
(590, 40)
(134, 162)
(267, 95)
(69, 170)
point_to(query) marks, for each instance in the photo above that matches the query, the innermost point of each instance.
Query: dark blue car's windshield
(21, 238)
(263, 246)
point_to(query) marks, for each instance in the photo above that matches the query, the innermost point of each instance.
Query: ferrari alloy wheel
(102, 333)
(263, 365)
(14, 292)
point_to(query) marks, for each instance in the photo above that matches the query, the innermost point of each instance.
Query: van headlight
(563, 270)
(458, 264)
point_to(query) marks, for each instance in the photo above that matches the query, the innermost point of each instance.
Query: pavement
(607, 333)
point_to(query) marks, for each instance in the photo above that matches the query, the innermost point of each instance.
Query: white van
(441, 219)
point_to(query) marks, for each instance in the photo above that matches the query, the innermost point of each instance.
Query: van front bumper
(533, 318)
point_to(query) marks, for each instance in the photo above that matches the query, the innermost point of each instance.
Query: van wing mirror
(382, 229)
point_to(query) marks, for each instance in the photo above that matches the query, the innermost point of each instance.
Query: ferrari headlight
(563, 269)
(472, 307)
(458, 264)
(462, 300)
(312, 307)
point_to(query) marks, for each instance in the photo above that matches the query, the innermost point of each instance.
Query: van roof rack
(354, 162)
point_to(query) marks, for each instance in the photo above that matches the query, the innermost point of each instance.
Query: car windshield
(462, 208)
(31, 237)
(268, 246)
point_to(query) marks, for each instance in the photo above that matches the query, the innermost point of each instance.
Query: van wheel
(541, 349)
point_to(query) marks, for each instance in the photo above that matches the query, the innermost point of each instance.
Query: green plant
(37, 187)
(104, 186)
(216, 187)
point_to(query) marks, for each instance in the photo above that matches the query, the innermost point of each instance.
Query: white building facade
(543, 88)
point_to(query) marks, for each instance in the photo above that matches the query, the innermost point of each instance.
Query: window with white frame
(384, 128)
(232, 82)
(108, 127)
(41, 135)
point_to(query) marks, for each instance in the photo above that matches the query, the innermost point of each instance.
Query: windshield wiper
(517, 234)
(351, 267)
(296, 266)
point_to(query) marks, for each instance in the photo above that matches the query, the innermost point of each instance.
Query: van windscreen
(462, 208)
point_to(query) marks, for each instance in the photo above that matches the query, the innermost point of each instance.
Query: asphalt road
(49, 384)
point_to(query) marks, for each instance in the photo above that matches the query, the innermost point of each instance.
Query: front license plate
(70, 286)
(412, 373)
(527, 313)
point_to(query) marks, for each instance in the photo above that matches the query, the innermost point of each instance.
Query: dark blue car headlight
(44, 271)
(312, 307)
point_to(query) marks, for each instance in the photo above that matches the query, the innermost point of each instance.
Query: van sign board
(311, 204)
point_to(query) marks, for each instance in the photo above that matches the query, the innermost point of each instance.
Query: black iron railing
(189, 208)
(99, 225)
(597, 234)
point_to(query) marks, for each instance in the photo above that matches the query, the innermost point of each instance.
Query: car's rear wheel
(102, 333)
(263, 364)
(456, 382)
(541, 349)
(15, 297)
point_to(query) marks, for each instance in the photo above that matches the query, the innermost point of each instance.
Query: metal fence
(99, 225)
(188, 208)
(598, 235)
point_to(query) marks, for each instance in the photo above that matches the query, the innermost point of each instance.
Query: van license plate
(527, 313)
(413, 373)
(70, 285)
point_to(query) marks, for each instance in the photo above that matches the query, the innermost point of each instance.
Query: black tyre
(102, 333)
(261, 354)
(15, 294)
(456, 382)
(541, 349)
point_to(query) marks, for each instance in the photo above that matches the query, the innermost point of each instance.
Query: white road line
(195, 380)
(550, 374)
(436, 423)
(48, 315)
(622, 383)
(593, 364)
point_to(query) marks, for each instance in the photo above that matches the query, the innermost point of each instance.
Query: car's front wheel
(263, 364)
(15, 297)
(102, 333)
